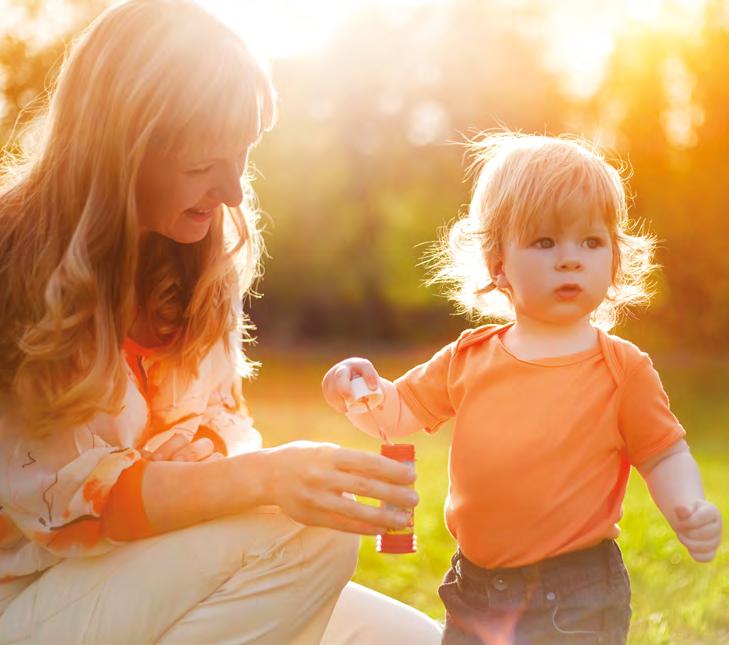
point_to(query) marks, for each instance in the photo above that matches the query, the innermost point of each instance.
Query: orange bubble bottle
(398, 540)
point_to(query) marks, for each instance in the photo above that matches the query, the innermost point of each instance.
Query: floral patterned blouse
(57, 492)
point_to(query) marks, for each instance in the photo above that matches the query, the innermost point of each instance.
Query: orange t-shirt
(541, 449)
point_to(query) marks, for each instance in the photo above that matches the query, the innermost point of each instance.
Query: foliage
(673, 127)
(29, 62)
(365, 167)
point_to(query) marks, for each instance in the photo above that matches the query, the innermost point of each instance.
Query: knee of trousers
(334, 552)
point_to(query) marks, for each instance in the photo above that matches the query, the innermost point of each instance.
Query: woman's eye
(593, 242)
(544, 243)
(199, 171)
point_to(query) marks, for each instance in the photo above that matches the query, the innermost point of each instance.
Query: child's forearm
(674, 481)
(675, 485)
(393, 416)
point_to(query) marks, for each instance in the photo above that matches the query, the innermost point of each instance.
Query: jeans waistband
(533, 573)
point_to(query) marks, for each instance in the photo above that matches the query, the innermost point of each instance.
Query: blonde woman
(137, 503)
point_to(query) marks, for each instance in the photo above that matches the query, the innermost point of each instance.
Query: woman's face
(178, 197)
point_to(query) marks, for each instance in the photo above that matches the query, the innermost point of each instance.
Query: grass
(675, 600)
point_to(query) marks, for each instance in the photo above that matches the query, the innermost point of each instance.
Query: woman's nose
(228, 187)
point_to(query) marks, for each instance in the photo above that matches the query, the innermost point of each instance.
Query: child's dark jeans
(578, 597)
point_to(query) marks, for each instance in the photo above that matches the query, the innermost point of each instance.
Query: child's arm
(392, 415)
(674, 483)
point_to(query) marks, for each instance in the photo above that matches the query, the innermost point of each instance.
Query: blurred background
(366, 166)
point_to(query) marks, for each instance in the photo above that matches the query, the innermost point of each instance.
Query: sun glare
(579, 46)
(643, 10)
(285, 28)
(580, 34)
(280, 28)
(677, 17)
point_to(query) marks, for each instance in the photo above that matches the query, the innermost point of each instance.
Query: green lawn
(675, 600)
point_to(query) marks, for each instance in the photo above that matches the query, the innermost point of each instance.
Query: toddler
(551, 410)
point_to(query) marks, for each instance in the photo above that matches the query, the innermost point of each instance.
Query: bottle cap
(364, 398)
(398, 451)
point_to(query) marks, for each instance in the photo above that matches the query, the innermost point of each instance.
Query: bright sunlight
(580, 33)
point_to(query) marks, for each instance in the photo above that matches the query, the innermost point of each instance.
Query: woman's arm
(306, 480)
(674, 483)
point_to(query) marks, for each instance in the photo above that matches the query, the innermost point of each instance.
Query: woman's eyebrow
(212, 157)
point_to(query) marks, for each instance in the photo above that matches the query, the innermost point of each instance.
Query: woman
(137, 503)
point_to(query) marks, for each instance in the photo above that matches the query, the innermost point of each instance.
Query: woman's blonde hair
(161, 73)
(522, 180)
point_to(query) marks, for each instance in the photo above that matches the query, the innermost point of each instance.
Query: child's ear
(496, 269)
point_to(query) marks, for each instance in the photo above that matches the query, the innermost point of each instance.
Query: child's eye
(593, 243)
(544, 243)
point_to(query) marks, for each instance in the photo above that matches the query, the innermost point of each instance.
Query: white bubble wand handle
(364, 399)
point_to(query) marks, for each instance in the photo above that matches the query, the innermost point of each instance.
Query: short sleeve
(645, 419)
(424, 389)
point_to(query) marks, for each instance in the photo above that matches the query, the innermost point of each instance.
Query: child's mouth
(568, 291)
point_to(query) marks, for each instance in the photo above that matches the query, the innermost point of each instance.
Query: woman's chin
(188, 233)
(189, 238)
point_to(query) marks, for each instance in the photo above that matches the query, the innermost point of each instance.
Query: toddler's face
(559, 274)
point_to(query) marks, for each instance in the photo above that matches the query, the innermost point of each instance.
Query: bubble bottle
(393, 540)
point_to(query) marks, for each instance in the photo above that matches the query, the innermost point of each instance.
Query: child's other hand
(336, 383)
(699, 529)
(180, 448)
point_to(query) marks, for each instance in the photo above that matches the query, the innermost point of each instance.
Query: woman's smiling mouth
(200, 215)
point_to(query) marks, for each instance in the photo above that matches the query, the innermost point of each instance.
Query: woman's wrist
(176, 494)
(253, 472)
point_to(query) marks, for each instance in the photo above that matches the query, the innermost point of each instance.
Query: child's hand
(699, 529)
(180, 448)
(336, 383)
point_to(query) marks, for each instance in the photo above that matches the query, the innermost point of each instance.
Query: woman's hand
(336, 383)
(179, 448)
(313, 483)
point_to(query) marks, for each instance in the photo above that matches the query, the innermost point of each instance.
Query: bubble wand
(364, 400)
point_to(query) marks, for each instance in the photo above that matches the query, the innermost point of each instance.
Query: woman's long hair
(145, 73)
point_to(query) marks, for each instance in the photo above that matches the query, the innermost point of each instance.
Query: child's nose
(569, 263)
